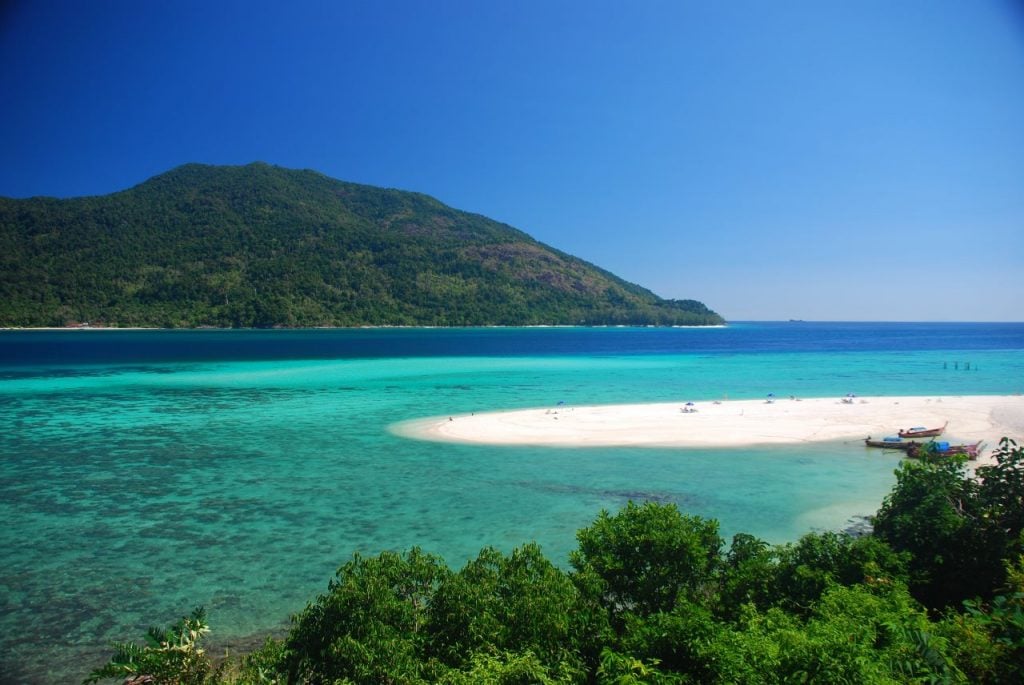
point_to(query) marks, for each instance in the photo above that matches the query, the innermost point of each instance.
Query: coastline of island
(732, 423)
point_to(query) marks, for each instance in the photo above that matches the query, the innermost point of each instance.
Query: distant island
(260, 246)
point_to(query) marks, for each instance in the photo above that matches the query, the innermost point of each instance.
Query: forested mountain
(261, 246)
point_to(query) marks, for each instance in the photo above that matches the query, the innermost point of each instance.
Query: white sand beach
(733, 423)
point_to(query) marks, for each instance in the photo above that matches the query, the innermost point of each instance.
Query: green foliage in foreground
(935, 595)
(169, 656)
(259, 246)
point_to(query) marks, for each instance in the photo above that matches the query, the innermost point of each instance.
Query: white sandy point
(732, 423)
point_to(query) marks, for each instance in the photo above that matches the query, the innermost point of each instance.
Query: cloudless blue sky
(788, 159)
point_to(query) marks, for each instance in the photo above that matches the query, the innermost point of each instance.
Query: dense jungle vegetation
(262, 246)
(934, 595)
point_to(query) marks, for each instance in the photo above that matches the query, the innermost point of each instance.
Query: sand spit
(731, 423)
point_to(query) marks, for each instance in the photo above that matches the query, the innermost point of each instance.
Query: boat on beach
(925, 449)
(892, 444)
(944, 449)
(922, 432)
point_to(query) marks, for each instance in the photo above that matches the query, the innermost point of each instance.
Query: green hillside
(261, 246)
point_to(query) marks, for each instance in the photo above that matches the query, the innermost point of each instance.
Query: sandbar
(734, 423)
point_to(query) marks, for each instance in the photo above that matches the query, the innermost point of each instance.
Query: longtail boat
(944, 449)
(922, 432)
(892, 444)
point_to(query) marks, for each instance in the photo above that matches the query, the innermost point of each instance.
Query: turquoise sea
(145, 472)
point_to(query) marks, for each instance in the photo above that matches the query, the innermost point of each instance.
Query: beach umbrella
(771, 394)
(689, 404)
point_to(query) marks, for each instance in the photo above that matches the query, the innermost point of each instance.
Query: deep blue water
(145, 472)
(28, 348)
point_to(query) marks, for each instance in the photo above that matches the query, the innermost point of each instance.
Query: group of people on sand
(690, 409)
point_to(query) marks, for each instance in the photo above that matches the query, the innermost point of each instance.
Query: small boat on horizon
(922, 432)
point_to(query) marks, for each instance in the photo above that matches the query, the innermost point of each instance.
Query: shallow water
(143, 473)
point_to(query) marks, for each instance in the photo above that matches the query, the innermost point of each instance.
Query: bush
(169, 657)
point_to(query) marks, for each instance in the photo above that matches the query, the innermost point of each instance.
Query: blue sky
(814, 160)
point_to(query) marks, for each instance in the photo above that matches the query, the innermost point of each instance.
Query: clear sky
(774, 159)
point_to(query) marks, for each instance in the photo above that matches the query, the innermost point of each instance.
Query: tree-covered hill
(260, 246)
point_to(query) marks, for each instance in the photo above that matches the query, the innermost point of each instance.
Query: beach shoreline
(732, 423)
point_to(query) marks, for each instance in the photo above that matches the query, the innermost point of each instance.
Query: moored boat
(944, 449)
(922, 432)
(891, 444)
